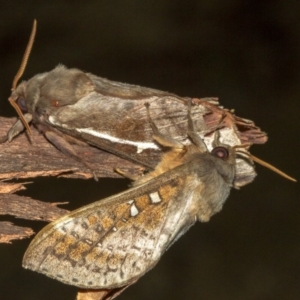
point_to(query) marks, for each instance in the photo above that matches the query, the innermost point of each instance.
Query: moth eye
(55, 103)
(220, 152)
(22, 104)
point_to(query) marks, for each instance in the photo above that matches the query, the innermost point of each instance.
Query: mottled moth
(111, 243)
(71, 105)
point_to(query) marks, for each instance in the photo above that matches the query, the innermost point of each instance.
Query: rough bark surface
(25, 158)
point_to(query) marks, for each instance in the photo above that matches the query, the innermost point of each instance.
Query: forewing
(121, 126)
(111, 242)
(115, 120)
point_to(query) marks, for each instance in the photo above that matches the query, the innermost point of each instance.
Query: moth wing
(114, 241)
(124, 90)
(114, 118)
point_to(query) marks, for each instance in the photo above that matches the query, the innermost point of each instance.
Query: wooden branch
(9, 232)
(29, 209)
(24, 159)
(24, 208)
(28, 158)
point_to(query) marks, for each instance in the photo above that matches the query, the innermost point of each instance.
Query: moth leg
(127, 175)
(18, 127)
(60, 143)
(193, 135)
(162, 139)
(75, 141)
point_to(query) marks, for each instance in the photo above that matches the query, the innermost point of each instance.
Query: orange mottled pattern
(61, 247)
(106, 222)
(121, 209)
(76, 253)
(93, 254)
(92, 219)
(142, 202)
(167, 192)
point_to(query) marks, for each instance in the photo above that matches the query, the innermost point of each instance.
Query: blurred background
(244, 52)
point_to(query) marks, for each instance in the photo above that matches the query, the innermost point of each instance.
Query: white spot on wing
(51, 120)
(139, 145)
(133, 210)
(155, 198)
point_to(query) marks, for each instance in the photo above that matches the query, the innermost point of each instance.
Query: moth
(74, 103)
(70, 106)
(111, 243)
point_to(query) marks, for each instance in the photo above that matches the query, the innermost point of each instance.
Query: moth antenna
(25, 57)
(263, 163)
(269, 166)
(19, 74)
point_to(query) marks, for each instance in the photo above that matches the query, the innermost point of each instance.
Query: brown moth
(69, 104)
(111, 243)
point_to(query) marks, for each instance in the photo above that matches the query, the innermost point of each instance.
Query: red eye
(220, 152)
(55, 103)
(22, 104)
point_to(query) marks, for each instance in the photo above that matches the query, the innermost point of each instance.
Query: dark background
(245, 52)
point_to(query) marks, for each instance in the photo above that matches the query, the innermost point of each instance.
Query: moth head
(229, 154)
(17, 97)
(224, 158)
(223, 151)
